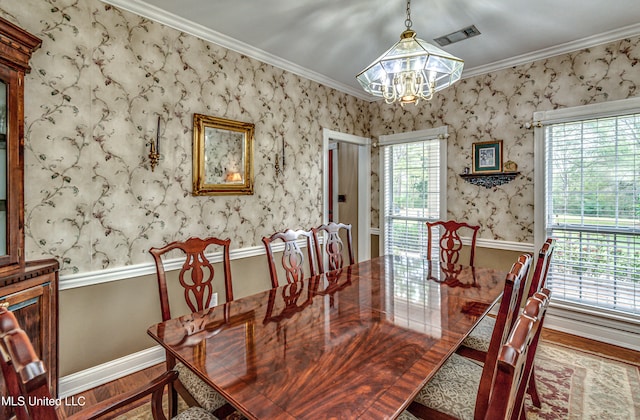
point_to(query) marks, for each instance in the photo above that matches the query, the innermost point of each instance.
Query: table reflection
(383, 324)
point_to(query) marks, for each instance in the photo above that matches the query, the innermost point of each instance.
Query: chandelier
(411, 70)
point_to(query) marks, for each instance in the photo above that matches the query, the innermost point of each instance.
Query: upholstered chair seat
(476, 345)
(206, 396)
(454, 388)
(195, 413)
(480, 336)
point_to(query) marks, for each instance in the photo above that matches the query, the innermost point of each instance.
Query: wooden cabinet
(16, 46)
(29, 289)
(31, 293)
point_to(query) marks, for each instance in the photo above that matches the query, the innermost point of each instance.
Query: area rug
(573, 385)
(577, 385)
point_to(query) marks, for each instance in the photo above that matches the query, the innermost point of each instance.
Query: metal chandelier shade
(411, 70)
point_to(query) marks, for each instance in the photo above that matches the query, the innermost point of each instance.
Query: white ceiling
(330, 41)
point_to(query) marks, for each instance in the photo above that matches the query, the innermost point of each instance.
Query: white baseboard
(622, 333)
(98, 375)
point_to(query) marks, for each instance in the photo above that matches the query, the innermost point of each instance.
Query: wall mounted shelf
(490, 180)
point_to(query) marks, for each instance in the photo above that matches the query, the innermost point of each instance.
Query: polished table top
(356, 343)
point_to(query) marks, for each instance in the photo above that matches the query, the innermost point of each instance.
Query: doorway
(343, 150)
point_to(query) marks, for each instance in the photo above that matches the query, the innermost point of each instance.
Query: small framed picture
(487, 156)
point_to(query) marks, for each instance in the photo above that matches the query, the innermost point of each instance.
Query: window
(591, 169)
(413, 188)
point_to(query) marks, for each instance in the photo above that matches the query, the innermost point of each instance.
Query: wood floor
(137, 379)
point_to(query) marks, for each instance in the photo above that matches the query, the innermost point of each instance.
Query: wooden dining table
(359, 342)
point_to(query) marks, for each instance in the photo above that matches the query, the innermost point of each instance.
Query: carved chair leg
(532, 389)
(172, 395)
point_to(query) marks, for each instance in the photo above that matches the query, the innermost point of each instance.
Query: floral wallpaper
(496, 106)
(103, 76)
(97, 86)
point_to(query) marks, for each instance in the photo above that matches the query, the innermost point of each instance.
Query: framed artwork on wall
(487, 157)
(222, 156)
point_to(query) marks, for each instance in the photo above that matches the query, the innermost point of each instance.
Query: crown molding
(176, 22)
(568, 47)
(156, 14)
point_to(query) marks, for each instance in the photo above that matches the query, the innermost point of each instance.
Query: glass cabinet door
(11, 171)
(3, 168)
(17, 46)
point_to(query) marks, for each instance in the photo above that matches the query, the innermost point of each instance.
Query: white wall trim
(98, 375)
(590, 111)
(364, 184)
(72, 281)
(502, 245)
(486, 243)
(619, 332)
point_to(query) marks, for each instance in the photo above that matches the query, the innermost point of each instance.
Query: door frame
(364, 185)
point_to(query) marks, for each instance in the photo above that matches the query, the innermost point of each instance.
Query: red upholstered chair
(292, 260)
(476, 345)
(196, 277)
(26, 379)
(450, 242)
(515, 360)
(333, 245)
(461, 388)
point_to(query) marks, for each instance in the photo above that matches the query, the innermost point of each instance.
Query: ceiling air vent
(457, 36)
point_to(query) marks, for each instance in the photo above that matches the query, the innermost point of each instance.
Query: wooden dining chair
(476, 345)
(26, 380)
(461, 388)
(332, 245)
(196, 278)
(292, 260)
(515, 360)
(450, 242)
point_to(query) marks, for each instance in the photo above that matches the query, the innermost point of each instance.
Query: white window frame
(573, 318)
(441, 133)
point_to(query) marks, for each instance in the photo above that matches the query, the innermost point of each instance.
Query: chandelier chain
(407, 21)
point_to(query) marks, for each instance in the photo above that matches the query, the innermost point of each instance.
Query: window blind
(592, 189)
(412, 174)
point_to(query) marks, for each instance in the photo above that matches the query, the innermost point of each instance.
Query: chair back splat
(196, 277)
(333, 245)
(450, 243)
(197, 273)
(292, 260)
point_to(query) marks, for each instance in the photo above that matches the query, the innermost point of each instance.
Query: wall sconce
(277, 164)
(154, 152)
